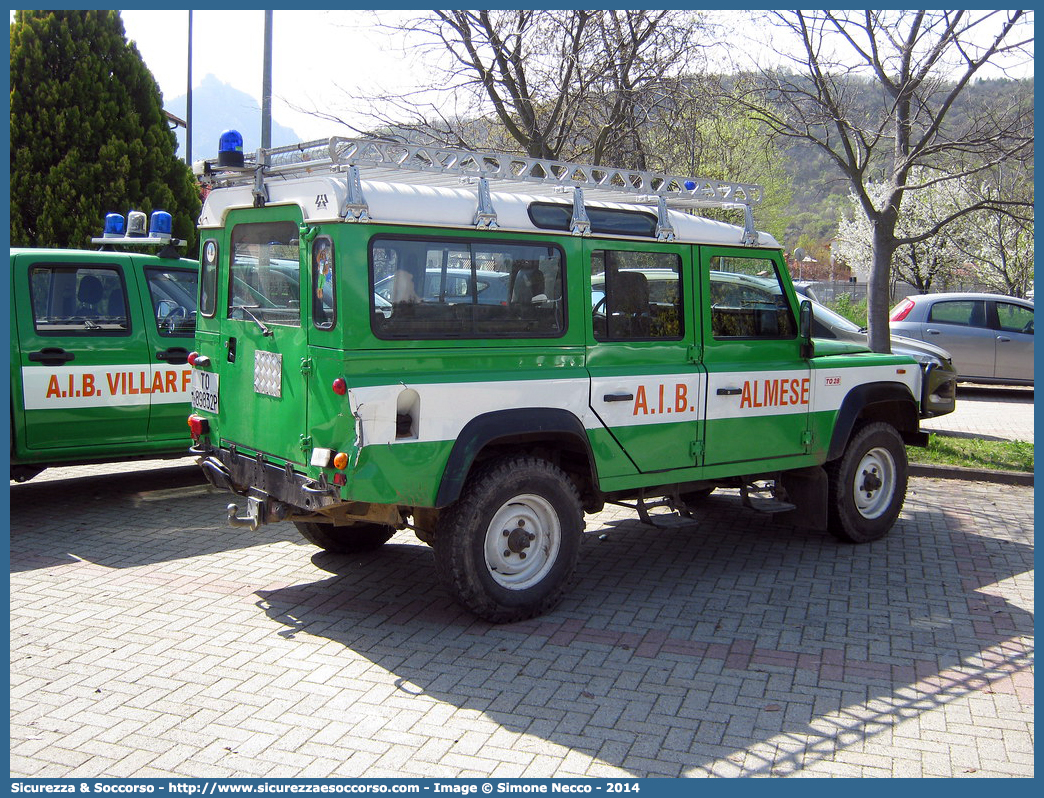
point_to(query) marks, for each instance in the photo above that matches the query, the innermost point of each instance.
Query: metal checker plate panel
(268, 373)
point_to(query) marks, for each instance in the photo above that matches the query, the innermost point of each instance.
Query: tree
(921, 63)
(575, 84)
(706, 139)
(88, 132)
(923, 262)
(1000, 245)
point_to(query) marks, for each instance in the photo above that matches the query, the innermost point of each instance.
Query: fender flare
(867, 395)
(518, 425)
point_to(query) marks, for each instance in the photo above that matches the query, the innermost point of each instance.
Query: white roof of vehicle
(353, 179)
(435, 206)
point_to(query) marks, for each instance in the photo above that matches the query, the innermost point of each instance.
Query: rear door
(262, 389)
(646, 383)
(1014, 341)
(960, 327)
(85, 368)
(759, 387)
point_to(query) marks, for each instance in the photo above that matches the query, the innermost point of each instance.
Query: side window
(747, 299)
(450, 289)
(967, 313)
(324, 308)
(264, 280)
(173, 294)
(1014, 318)
(208, 278)
(78, 300)
(636, 295)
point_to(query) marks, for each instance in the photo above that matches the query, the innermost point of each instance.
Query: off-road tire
(484, 554)
(345, 539)
(867, 484)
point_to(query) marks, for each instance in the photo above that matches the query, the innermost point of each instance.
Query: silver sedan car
(989, 337)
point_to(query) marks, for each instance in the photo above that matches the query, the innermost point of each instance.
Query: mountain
(217, 107)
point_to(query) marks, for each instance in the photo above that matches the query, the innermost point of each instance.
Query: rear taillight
(901, 311)
(198, 426)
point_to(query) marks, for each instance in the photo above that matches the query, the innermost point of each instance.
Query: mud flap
(807, 489)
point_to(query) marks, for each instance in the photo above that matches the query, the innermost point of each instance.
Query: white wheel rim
(874, 484)
(522, 542)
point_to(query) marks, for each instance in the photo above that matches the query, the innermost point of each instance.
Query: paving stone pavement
(148, 639)
(994, 412)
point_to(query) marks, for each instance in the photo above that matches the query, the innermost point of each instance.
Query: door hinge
(696, 450)
(306, 442)
(695, 353)
(806, 440)
(306, 366)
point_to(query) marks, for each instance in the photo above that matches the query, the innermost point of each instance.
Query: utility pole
(266, 86)
(188, 98)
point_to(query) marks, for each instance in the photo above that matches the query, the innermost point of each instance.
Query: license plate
(204, 391)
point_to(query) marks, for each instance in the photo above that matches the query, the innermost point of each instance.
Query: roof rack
(419, 164)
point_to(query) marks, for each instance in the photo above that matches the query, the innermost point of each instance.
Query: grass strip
(974, 453)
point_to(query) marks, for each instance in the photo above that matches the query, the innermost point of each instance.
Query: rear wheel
(508, 548)
(345, 539)
(867, 484)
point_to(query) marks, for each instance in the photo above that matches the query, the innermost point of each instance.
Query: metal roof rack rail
(419, 164)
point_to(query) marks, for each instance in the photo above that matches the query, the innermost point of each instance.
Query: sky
(318, 58)
(321, 59)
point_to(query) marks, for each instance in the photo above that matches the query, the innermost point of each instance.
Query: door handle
(932, 332)
(51, 356)
(729, 391)
(1003, 339)
(176, 355)
(618, 397)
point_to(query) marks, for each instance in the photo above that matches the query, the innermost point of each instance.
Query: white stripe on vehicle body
(615, 401)
(47, 388)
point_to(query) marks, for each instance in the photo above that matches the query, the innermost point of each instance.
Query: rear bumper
(249, 475)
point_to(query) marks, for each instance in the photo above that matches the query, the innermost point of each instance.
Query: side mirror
(805, 329)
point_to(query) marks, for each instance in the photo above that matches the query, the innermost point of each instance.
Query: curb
(974, 474)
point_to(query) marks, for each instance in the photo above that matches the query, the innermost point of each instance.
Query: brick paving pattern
(149, 639)
(991, 412)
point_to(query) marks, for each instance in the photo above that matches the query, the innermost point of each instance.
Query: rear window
(78, 300)
(265, 275)
(967, 313)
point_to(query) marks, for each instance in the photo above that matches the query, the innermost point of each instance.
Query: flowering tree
(922, 63)
(921, 263)
(999, 245)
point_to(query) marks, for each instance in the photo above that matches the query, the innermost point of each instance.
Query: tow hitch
(261, 509)
(255, 514)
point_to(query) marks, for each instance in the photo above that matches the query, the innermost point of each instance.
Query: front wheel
(508, 547)
(345, 539)
(867, 484)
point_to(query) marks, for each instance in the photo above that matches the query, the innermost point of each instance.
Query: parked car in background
(453, 285)
(988, 336)
(939, 373)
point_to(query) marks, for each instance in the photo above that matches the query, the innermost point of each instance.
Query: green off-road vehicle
(483, 348)
(99, 349)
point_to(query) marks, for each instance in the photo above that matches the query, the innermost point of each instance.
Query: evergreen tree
(88, 132)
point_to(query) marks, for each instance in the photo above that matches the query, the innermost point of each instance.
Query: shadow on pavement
(165, 514)
(725, 634)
